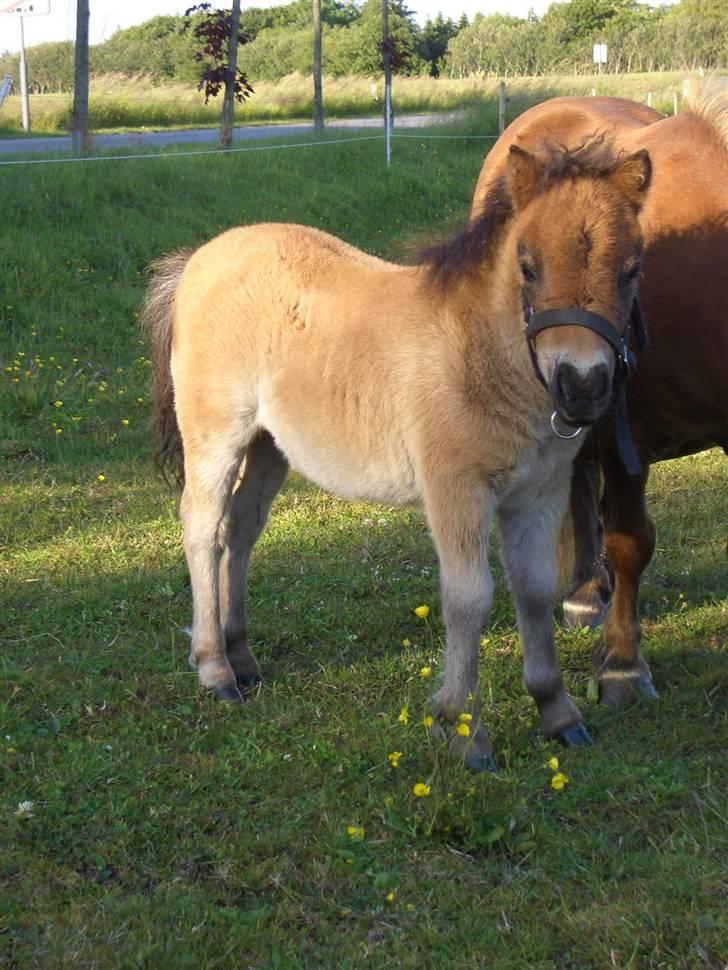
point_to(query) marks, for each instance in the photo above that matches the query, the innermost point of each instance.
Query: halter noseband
(626, 362)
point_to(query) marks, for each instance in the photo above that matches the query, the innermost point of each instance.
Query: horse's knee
(630, 550)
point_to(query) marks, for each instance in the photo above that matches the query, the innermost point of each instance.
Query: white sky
(108, 15)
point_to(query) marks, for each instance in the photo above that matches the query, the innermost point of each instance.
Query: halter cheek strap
(626, 360)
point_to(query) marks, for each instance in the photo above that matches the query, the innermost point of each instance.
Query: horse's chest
(542, 467)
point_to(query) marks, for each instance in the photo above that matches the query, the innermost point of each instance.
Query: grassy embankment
(118, 102)
(171, 832)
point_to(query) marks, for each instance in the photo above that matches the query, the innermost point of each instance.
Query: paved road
(62, 143)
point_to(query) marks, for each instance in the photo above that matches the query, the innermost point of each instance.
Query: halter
(625, 358)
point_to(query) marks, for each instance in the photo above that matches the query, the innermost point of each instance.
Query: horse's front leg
(529, 526)
(630, 541)
(591, 587)
(459, 512)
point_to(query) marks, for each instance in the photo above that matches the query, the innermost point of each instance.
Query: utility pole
(23, 68)
(79, 115)
(318, 98)
(228, 103)
(387, 56)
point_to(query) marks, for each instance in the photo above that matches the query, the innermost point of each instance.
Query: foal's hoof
(616, 693)
(248, 682)
(480, 762)
(228, 693)
(575, 736)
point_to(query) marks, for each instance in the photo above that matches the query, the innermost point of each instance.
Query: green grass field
(166, 831)
(118, 102)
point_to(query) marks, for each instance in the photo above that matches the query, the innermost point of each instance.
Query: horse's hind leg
(263, 474)
(529, 531)
(211, 464)
(591, 587)
(630, 541)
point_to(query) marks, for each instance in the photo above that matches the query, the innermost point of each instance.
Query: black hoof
(575, 736)
(249, 681)
(480, 762)
(228, 693)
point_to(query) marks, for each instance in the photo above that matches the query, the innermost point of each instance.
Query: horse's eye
(633, 272)
(527, 272)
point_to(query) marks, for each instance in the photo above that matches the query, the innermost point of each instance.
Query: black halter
(626, 360)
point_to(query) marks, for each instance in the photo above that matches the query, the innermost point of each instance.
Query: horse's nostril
(572, 386)
(563, 383)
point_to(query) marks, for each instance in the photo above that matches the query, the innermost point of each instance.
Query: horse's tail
(157, 318)
(708, 99)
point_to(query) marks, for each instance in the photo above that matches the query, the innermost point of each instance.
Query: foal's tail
(157, 317)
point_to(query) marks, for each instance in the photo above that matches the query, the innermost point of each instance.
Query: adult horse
(678, 396)
(278, 345)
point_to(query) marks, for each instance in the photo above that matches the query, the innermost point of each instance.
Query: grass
(118, 102)
(169, 832)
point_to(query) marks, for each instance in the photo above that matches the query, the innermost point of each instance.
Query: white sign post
(600, 55)
(20, 9)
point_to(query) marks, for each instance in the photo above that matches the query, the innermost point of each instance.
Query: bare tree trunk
(228, 101)
(318, 98)
(79, 115)
(387, 79)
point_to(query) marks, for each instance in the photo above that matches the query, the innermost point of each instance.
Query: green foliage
(687, 34)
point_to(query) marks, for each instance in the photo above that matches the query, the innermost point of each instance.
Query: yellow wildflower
(559, 780)
(403, 716)
(125, 422)
(425, 671)
(463, 730)
(390, 896)
(553, 764)
(394, 758)
(421, 790)
(465, 717)
(406, 643)
(427, 721)
(101, 478)
(422, 611)
(355, 832)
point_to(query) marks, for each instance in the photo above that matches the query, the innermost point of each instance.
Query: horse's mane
(708, 99)
(458, 255)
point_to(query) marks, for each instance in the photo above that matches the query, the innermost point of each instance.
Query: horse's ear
(632, 176)
(524, 176)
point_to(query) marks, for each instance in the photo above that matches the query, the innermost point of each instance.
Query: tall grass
(118, 102)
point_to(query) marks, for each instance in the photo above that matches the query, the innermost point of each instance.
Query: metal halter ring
(556, 431)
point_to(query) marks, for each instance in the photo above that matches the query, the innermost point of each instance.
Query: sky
(108, 15)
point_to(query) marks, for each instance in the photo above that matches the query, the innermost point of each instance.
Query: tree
(435, 36)
(79, 114)
(220, 36)
(318, 100)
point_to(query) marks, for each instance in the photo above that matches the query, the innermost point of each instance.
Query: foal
(279, 345)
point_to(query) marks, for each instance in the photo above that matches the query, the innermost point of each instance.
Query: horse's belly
(351, 468)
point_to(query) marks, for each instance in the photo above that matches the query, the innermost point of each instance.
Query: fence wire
(234, 151)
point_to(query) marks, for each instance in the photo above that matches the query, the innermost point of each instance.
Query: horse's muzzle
(580, 397)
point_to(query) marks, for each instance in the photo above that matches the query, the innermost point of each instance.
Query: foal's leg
(529, 529)
(205, 499)
(263, 475)
(591, 587)
(630, 541)
(458, 514)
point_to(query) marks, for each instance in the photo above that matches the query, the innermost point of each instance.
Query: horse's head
(579, 246)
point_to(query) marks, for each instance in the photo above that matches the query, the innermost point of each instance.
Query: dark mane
(458, 255)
